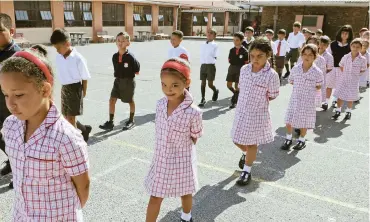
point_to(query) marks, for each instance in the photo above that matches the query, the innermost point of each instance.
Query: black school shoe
(87, 132)
(325, 106)
(6, 169)
(191, 220)
(11, 185)
(286, 145)
(129, 125)
(334, 104)
(215, 95)
(202, 102)
(242, 161)
(348, 115)
(299, 146)
(107, 125)
(286, 75)
(244, 178)
(336, 115)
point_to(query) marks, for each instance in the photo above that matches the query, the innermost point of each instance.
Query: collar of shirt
(264, 69)
(210, 41)
(188, 100)
(342, 45)
(252, 39)
(120, 56)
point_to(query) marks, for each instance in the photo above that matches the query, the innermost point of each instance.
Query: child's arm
(84, 73)
(320, 80)
(196, 128)
(229, 55)
(84, 87)
(82, 184)
(216, 52)
(273, 87)
(73, 153)
(136, 66)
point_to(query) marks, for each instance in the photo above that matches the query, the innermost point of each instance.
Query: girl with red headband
(47, 154)
(178, 125)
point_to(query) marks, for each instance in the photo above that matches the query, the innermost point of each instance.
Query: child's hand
(341, 68)
(83, 93)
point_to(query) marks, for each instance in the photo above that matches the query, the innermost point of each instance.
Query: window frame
(167, 13)
(29, 14)
(142, 11)
(82, 13)
(111, 15)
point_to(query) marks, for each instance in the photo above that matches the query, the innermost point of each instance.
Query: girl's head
(366, 35)
(313, 40)
(175, 77)
(26, 80)
(324, 42)
(356, 46)
(365, 45)
(309, 53)
(41, 49)
(345, 34)
(260, 51)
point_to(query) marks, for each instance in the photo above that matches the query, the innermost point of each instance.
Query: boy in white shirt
(177, 49)
(208, 56)
(296, 39)
(73, 75)
(281, 48)
(270, 35)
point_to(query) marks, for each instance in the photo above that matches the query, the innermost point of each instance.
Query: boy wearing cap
(319, 33)
(208, 56)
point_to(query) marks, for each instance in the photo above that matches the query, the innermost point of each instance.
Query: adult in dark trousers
(7, 49)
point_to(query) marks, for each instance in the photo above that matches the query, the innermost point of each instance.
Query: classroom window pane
(46, 15)
(167, 13)
(79, 13)
(309, 21)
(113, 14)
(141, 18)
(32, 14)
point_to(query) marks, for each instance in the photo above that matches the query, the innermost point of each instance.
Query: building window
(32, 14)
(200, 19)
(218, 19)
(77, 14)
(233, 18)
(165, 16)
(113, 14)
(309, 21)
(142, 15)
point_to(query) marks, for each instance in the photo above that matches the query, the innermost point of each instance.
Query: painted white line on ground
(113, 168)
(272, 184)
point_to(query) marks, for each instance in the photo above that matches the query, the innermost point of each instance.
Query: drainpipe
(275, 18)
(178, 7)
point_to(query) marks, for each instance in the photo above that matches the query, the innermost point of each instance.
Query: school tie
(278, 49)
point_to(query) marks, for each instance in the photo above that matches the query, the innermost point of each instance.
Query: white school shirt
(176, 52)
(272, 43)
(72, 69)
(296, 41)
(208, 53)
(284, 48)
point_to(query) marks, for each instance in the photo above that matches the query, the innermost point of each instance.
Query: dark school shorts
(280, 62)
(233, 73)
(292, 56)
(208, 72)
(72, 99)
(124, 89)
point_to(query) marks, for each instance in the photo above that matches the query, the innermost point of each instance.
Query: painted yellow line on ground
(272, 184)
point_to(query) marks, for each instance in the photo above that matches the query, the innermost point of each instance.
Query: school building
(37, 19)
(328, 15)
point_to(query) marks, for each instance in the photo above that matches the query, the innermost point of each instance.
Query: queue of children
(37, 136)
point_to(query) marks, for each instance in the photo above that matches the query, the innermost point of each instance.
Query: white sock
(339, 109)
(348, 110)
(185, 216)
(302, 139)
(289, 136)
(247, 168)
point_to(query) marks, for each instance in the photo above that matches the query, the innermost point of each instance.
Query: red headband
(178, 66)
(38, 63)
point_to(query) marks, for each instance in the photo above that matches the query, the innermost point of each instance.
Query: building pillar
(210, 19)
(175, 18)
(226, 23)
(57, 12)
(240, 23)
(97, 22)
(155, 18)
(129, 19)
(7, 7)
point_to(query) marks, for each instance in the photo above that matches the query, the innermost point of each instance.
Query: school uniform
(125, 68)
(208, 56)
(247, 43)
(176, 52)
(281, 48)
(71, 71)
(43, 167)
(301, 112)
(329, 60)
(252, 122)
(348, 84)
(172, 172)
(364, 78)
(337, 50)
(295, 42)
(237, 58)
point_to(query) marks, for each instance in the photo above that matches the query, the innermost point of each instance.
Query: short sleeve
(82, 68)
(273, 86)
(74, 155)
(136, 65)
(229, 55)
(242, 76)
(196, 129)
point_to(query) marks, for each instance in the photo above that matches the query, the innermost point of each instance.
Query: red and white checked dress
(301, 111)
(173, 172)
(348, 82)
(252, 122)
(42, 168)
(329, 60)
(365, 76)
(321, 64)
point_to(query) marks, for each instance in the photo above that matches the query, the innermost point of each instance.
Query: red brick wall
(334, 17)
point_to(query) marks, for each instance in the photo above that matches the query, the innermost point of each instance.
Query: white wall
(88, 30)
(165, 29)
(114, 30)
(36, 35)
